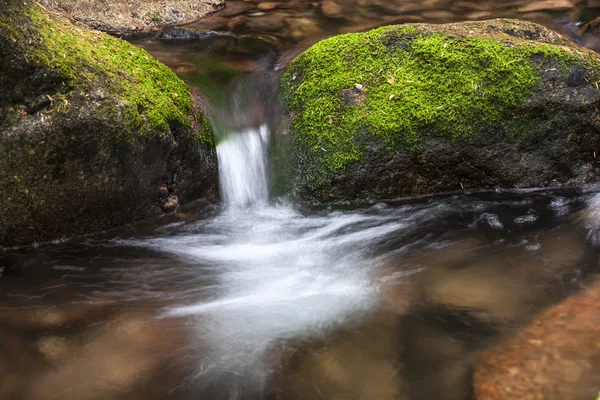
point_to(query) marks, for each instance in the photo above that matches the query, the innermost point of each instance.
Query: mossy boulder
(420, 109)
(94, 132)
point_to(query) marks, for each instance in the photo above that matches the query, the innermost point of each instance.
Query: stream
(263, 298)
(259, 299)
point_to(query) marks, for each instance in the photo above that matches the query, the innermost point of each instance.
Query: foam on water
(275, 273)
(243, 167)
(261, 275)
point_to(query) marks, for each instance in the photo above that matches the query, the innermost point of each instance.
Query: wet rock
(332, 9)
(302, 28)
(556, 357)
(236, 23)
(181, 33)
(129, 16)
(116, 126)
(171, 204)
(432, 120)
(53, 348)
(265, 23)
(268, 6)
(235, 8)
(111, 362)
(350, 366)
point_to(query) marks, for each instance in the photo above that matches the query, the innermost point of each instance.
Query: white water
(276, 275)
(259, 275)
(243, 167)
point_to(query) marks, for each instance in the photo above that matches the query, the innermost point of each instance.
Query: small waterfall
(243, 167)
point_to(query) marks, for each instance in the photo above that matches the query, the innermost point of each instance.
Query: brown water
(258, 35)
(387, 301)
(275, 301)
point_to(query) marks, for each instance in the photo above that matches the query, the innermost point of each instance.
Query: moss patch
(153, 95)
(403, 84)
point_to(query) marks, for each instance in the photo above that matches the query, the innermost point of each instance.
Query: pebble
(268, 6)
(331, 9)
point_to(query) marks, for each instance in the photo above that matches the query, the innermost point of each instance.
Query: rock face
(557, 357)
(420, 109)
(94, 132)
(127, 16)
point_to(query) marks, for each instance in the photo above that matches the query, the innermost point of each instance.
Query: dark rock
(181, 33)
(236, 23)
(367, 120)
(267, 23)
(92, 130)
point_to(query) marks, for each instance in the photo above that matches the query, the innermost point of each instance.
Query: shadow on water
(387, 301)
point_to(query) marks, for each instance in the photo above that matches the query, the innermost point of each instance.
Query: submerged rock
(420, 109)
(130, 16)
(92, 130)
(556, 357)
(186, 34)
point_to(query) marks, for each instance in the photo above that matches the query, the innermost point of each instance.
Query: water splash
(243, 167)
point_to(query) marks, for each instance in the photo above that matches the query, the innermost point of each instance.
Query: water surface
(386, 301)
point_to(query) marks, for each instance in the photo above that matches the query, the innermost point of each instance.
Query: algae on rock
(419, 109)
(94, 131)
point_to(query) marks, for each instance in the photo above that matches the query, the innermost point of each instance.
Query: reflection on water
(258, 35)
(390, 301)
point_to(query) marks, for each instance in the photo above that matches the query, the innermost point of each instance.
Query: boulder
(557, 357)
(133, 16)
(421, 109)
(94, 132)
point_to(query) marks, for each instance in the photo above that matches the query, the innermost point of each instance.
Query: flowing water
(262, 35)
(260, 298)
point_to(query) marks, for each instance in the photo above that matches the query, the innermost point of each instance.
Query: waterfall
(243, 167)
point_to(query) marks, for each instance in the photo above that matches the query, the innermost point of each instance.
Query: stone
(474, 105)
(237, 23)
(556, 357)
(171, 204)
(131, 16)
(116, 125)
(268, 6)
(331, 9)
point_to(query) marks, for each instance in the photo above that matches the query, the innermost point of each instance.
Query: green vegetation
(402, 84)
(153, 95)
(205, 132)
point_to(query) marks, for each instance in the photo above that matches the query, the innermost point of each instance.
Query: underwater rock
(556, 357)
(127, 16)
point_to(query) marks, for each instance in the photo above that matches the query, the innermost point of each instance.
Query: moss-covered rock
(419, 109)
(94, 132)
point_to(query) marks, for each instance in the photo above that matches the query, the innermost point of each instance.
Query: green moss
(402, 84)
(13, 33)
(205, 133)
(153, 95)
